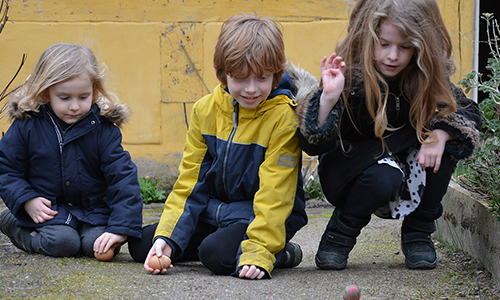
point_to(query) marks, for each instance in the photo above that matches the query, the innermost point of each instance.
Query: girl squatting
(388, 126)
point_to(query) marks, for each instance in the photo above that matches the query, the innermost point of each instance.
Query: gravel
(376, 265)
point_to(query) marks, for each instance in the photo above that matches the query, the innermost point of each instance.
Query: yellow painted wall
(159, 52)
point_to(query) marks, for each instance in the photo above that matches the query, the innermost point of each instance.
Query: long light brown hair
(425, 81)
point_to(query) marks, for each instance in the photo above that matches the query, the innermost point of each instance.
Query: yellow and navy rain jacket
(235, 154)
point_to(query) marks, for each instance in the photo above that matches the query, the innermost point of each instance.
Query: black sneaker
(9, 228)
(419, 250)
(291, 257)
(333, 251)
(7, 221)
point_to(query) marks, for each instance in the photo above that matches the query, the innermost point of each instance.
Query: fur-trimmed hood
(304, 84)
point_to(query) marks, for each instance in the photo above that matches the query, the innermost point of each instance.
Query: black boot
(291, 256)
(336, 243)
(417, 244)
(21, 238)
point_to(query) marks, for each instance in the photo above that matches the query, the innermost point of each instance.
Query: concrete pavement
(376, 265)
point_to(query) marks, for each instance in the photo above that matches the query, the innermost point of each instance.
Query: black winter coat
(337, 168)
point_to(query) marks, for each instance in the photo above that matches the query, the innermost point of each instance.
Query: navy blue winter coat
(83, 171)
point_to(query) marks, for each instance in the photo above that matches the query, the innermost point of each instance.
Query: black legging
(379, 183)
(215, 247)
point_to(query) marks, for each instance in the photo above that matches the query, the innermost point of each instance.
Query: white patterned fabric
(412, 189)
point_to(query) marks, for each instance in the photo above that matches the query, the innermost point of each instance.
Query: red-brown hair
(248, 44)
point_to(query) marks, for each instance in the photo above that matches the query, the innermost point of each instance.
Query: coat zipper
(61, 134)
(60, 137)
(229, 141)
(217, 214)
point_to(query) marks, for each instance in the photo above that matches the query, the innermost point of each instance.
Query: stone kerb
(467, 224)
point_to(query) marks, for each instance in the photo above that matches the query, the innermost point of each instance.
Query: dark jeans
(215, 247)
(380, 183)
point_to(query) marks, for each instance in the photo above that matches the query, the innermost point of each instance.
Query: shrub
(314, 190)
(149, 192)
(481, 172)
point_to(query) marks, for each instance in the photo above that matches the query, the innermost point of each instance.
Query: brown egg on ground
(105, 256)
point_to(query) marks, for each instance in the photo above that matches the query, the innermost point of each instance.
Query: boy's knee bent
(214, 258)
(139, 248)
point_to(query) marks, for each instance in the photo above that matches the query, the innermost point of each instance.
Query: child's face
(71, 99)
(394, 54)
(252, 90)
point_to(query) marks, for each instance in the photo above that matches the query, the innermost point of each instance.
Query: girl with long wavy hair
(389, 127)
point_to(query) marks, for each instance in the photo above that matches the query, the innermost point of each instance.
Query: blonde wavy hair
(425, 81)
(248, 44)
(59, 63)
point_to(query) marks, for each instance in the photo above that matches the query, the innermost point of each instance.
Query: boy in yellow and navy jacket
(239, 198)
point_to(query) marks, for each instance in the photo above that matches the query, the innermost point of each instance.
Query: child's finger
(322, 64)
(335, 62)
(146, 263)
(331, 60)
(46, 216)
(243, 271)
(342, 67)
(437, 164)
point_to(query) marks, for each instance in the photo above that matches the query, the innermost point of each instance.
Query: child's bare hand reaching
(108, 241)
(332, 74)
(251, 272)
(430, 155)
(39, 209)
(159, 248)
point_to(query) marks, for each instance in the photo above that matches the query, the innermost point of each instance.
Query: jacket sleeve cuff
(176, 254)
(465, 133)
(308, 115)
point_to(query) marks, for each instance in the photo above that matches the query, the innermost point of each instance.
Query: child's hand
(38, 209)
(159, 248)
(251, 272)
(430, 154)
(332, 74)
(108, 241)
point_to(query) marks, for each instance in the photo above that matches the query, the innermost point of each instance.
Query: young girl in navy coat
(389, 127)
(69, 186)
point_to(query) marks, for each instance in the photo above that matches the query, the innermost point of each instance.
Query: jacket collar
(71, 132)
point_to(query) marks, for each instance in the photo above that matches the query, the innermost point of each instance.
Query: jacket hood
(118, 115)
(303, 83)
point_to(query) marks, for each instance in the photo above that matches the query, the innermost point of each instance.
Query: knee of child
(57, 245)
(387, 184)
(426, 214)
(70, 243)
(139, 248)
(215, 259)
